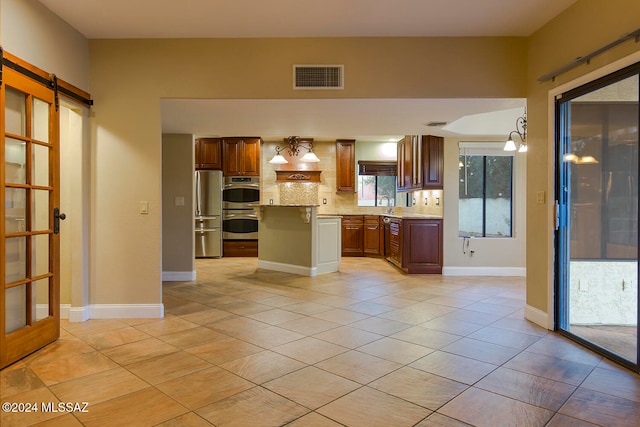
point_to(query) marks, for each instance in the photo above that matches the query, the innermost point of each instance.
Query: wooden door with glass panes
(29, 246)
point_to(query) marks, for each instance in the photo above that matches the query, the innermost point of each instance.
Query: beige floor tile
(560, 420)
(313, 419)
(504, 337)
(309, 325)
(370, 308)
(481, 350)
(115, 337)
(368, 407)
(204, 387)
(439, 420)
(347, 336)
(308, 308)
(208, 316)
(419, 387)
(381, 326)
(471, 407)
(166, 326)
(37, 396)
(550, 367)
(70, 367)
(396, 350)
(186, 420)
(426, 337)
(309, 350)
(99, 387)
(18, 380)
(341, 316)
(167, 367)
(602, 409)
(262, 367)
(254, 407)
(67, 420)
(454, 367)
(269, 337)
(192, 337)
(138, 351)
(236, 325)
(94, 327)
(527, 388)
(144, 407)
(406, 315)
(224, 350)
(359, 367)
(275, 316)
(451, 326)
(618, 382)
(326, 387)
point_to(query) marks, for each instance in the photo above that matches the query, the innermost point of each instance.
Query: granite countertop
(290, 205)
(393, 215)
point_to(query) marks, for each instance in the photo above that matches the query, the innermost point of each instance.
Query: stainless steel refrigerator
(208, 215)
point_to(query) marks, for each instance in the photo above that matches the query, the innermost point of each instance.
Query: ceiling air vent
(318, 77)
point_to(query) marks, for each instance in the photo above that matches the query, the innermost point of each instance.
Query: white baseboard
(288, 268)
(112, 311)
(484, 271)
(178, 276)
(328, 267)
(538, 317)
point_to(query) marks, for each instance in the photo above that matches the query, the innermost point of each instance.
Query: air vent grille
(318, 77)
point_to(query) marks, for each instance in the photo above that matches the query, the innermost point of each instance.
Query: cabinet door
(422, 249)
(251, 157)
(352, 235)
(345, 166)
(433, 162)
(232, 157)
(371, 244)
(403, 162)
(209, 153)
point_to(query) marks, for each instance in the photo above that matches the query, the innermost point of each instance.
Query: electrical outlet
(179, 201)
(324, 201)
(144, 208)
(270, 201)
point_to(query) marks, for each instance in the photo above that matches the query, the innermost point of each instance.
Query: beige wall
(178, 253)
(35, 34)
(579, 30)
(284, 237)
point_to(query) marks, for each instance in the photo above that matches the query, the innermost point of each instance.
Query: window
(485, 204)
(376, 183)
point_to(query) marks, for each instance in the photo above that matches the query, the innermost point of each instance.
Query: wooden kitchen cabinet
(433, 162)
(241, 156)
(346, 166)
(208, 153)
(352, 235)
(415, 245)
(409, 163)
(371, 235)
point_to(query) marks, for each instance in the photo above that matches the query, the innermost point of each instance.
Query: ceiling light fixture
(294, 143)
(521, 131)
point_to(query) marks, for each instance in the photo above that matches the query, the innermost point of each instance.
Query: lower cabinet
(240, 248)
(415, 245)
(352, 235)
(362, 235)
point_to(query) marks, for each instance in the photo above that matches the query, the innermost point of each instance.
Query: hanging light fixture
(521, 131)
(294, 144)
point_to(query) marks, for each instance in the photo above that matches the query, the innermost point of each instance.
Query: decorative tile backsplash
(298, 193)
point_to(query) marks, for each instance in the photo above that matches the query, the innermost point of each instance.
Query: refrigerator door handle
(197, 193)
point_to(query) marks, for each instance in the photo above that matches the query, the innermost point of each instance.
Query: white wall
(492, 256)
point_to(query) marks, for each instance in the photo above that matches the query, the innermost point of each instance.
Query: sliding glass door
(597, 194)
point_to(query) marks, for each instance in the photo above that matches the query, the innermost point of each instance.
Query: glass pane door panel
(16, 308)
(599, 196)
(16, 257)
(40, 296)
(40, 120)
(15, 205)
(39, 210)
(40, 165)
(15, 115)
(39, 255)
(15, 157)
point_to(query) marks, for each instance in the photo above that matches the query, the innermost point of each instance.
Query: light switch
(144, 207)
(540, 197)
(179, 201)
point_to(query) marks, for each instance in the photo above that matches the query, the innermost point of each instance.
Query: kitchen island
(295, 239)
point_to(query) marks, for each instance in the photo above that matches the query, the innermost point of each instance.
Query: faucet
(390, 208)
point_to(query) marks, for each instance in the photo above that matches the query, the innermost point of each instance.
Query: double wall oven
(239, 195)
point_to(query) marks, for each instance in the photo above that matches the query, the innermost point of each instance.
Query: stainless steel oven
(240, 192)
(239, 224)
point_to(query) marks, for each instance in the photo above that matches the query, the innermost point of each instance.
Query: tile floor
(367, 346)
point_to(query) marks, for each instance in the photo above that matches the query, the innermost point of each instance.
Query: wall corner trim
(537, 316)
(288, 268)
(178, 276)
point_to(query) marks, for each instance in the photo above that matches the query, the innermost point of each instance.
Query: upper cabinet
(410, 163)
(346, 165)
(208, 153)
(433, 162)
(241, 156)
